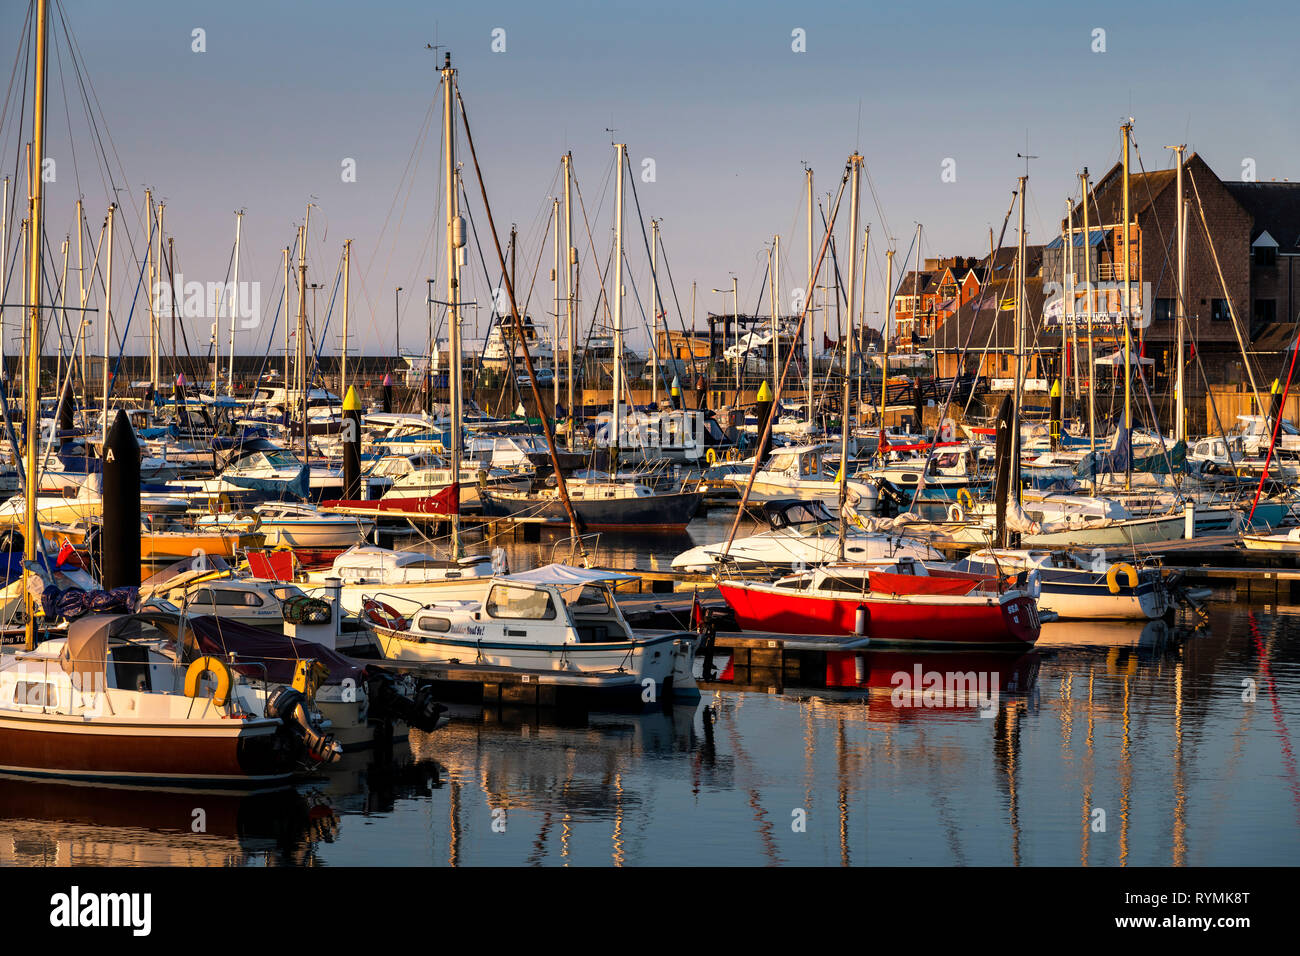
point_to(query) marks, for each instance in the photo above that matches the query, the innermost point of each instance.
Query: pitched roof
(1143, 189)
(984, 323)
(1005, 258)
(1275, 207)
(920, 282)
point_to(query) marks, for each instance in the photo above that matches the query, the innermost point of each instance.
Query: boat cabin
(794, 513)
(366, 564)
(555, 604)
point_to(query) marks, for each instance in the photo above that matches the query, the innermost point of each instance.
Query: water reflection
(1143, 744)
(1108, 744)
(67, 824)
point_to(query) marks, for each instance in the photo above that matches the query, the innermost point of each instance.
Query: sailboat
(113, 697)
(603, 503)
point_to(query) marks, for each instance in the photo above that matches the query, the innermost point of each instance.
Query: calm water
(1146, 726)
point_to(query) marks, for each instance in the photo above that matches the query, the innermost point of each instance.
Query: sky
(283, 94)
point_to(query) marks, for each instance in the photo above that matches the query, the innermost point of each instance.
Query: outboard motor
(389, 703)
(290, 706)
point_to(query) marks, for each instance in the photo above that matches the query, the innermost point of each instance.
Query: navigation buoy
(351, 446)
(119, 543)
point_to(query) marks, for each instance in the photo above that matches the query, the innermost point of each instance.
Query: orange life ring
(384, 615)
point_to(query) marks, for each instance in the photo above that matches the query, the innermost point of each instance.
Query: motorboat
(406, 580)
(207, 584)
(802, 534)
(554, 618)
(799, 472)
(294, 526)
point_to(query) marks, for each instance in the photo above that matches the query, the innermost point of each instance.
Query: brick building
(929, 297)
(1274, 251)
(1154, 263)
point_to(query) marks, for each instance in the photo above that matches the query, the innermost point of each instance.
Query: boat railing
(235, 662)
(396, 601)
(593, 536)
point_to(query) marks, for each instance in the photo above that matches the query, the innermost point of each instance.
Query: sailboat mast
(1180, 318)
(108, 318)
(1128, 336)
(776, 300)
(455, 240)
(808, 175)
(884, 330)
(32, 419)
(300, 356)
(615, 434)
(862, 309)
(1020, 350)
(570, 259)
(654, 311)
(149, 220)
(285, 298)
(4, 271)
(234, 306)
(81, 296)
(347, 275)
(1066, 324)
(856, 162)
(65, 248)
(1087, 292)
(555, 280)
(916, 293)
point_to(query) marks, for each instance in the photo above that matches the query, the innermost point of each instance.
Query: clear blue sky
(712, 92)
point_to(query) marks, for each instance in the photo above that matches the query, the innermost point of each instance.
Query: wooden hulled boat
(601, 505)
(1072, 587)
(106, 702)
(162, 542)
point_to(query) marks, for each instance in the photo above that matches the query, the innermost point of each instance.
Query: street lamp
(428, 375)
(735, 324)
(397, 320)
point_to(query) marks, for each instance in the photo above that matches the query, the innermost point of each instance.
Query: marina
(472, 519)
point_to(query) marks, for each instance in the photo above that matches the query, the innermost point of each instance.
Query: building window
(1219, 310)
(1265, 311)
(1164, 310)
(1265, 255)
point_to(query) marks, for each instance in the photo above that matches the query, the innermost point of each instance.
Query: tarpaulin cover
(278, 652)
(1159, 462)
(564, 575)
(298, 487)
(74, 602)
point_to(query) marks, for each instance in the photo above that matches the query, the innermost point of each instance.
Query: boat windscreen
(196, 562)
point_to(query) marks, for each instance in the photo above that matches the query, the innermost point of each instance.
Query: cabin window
(224, 598)
(505, 601)
(591, 598)
(439, 624)
(35, 694)
(844, 584)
